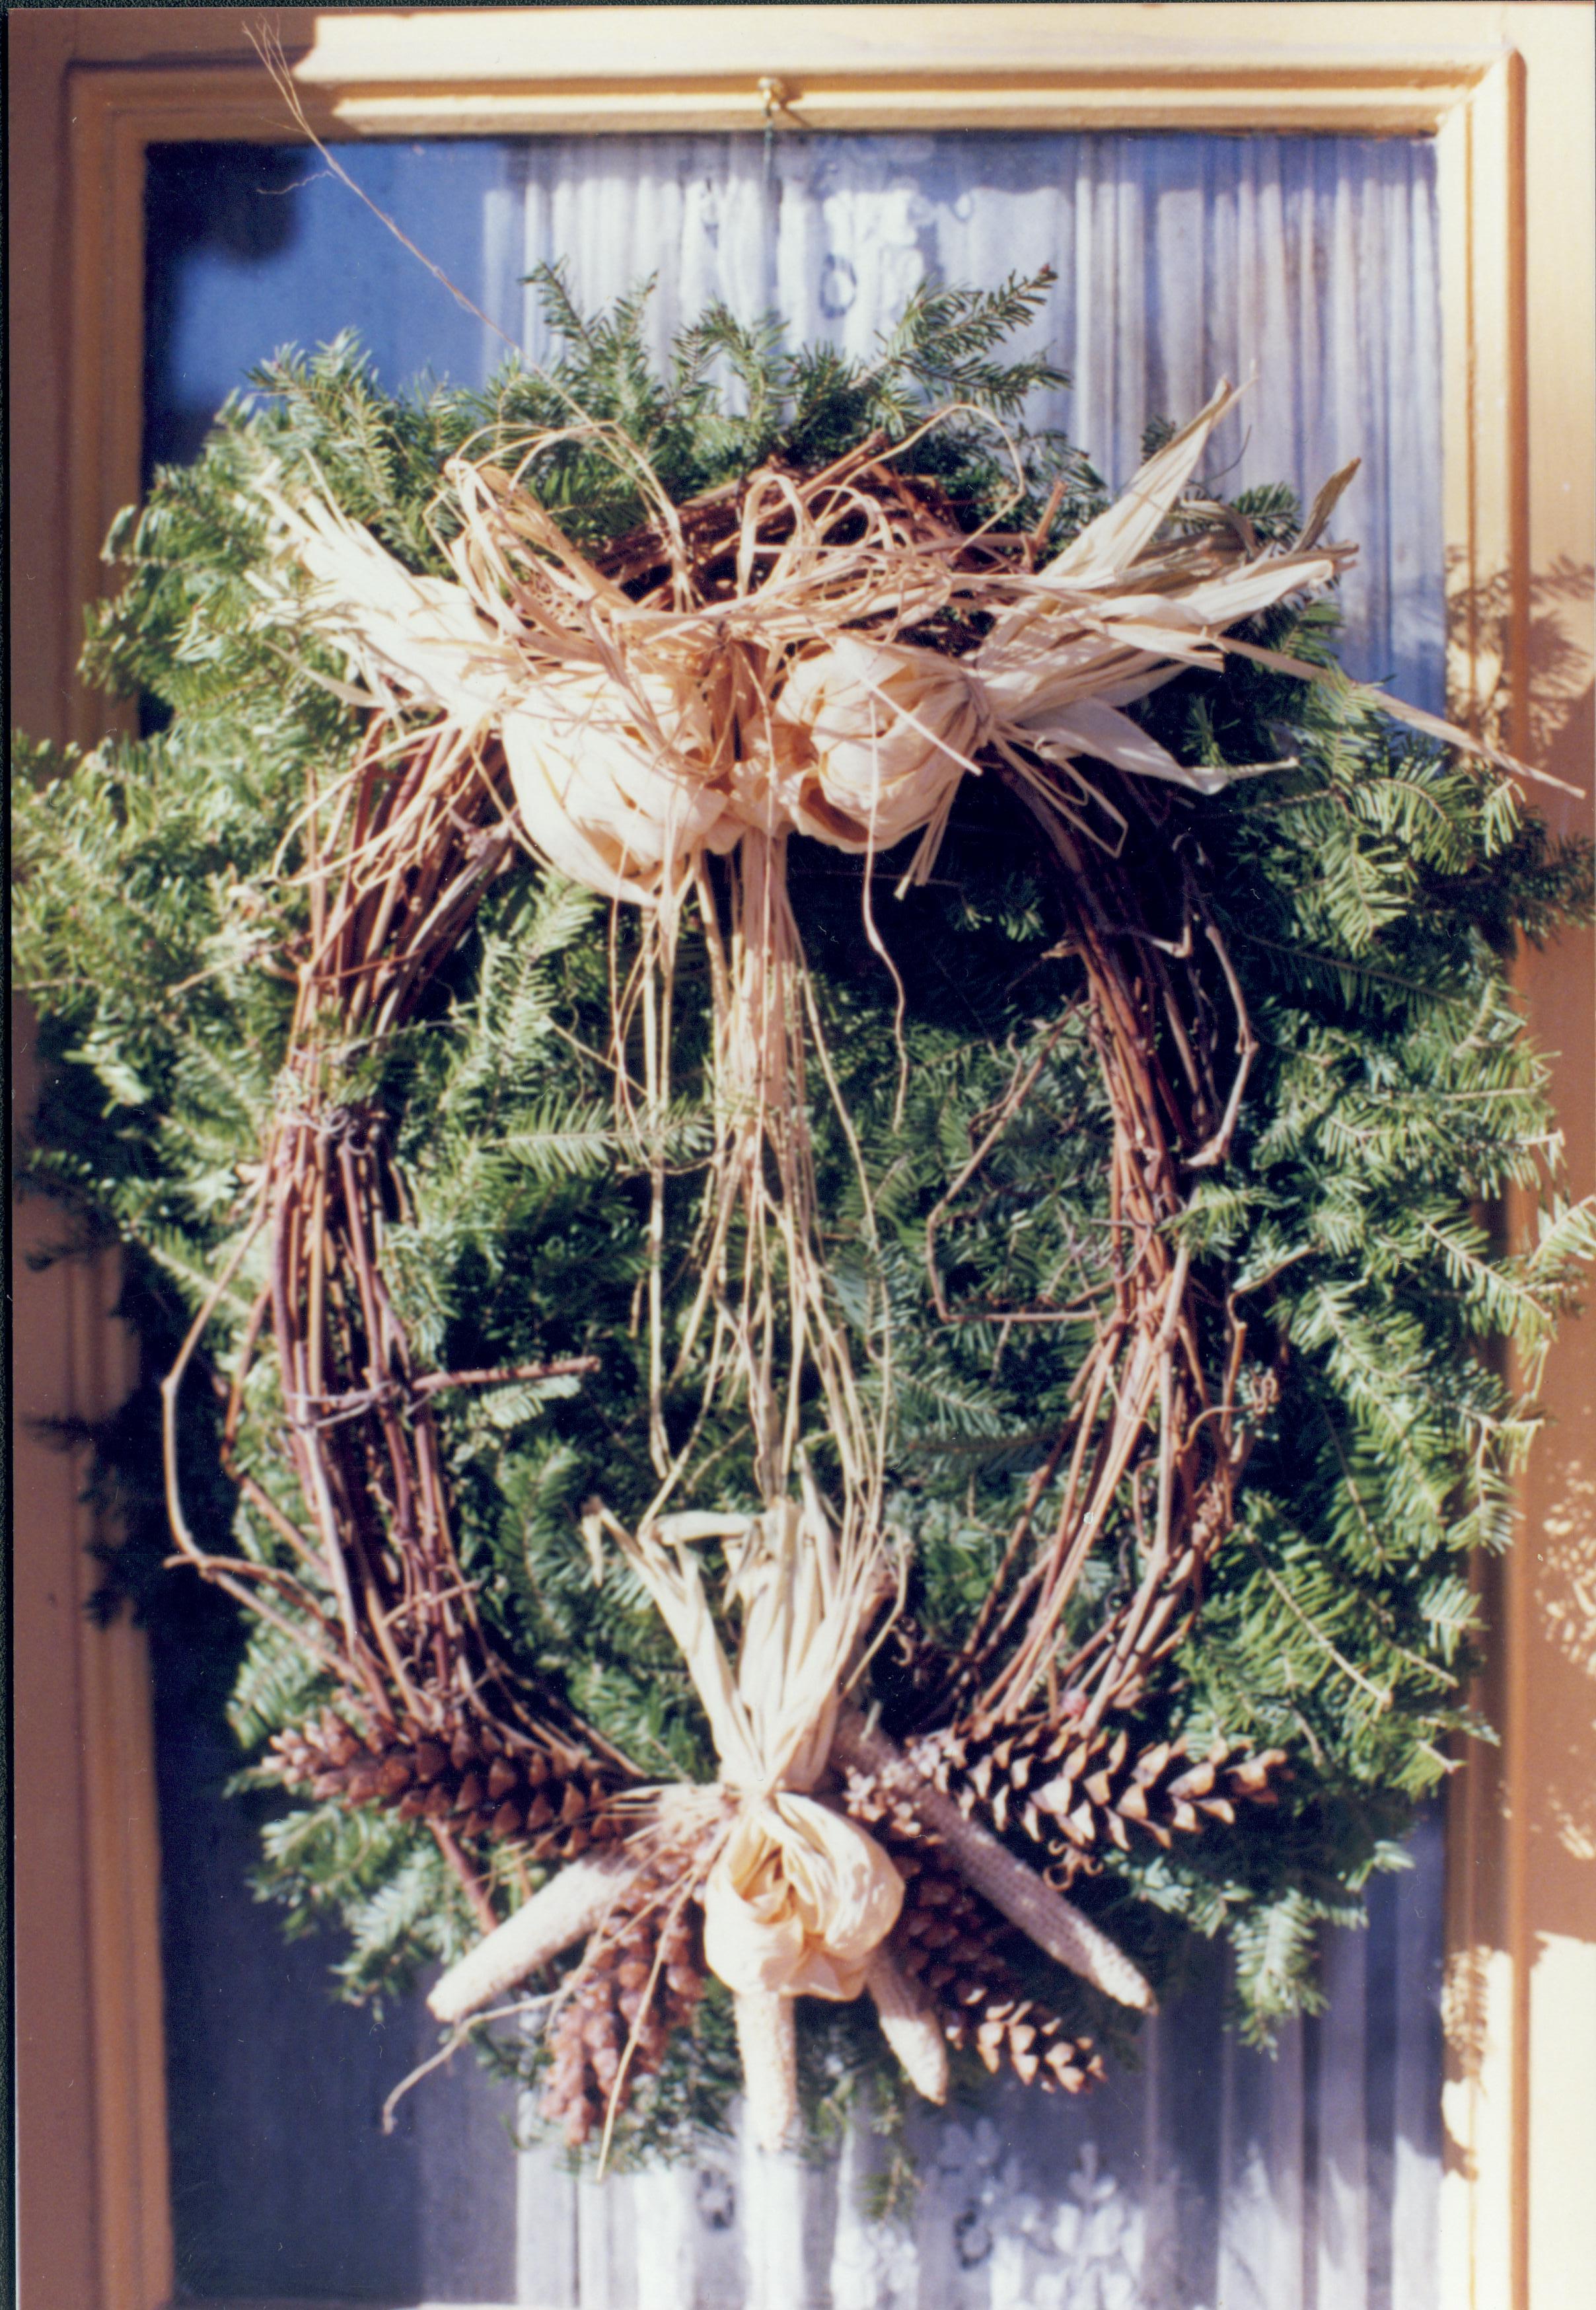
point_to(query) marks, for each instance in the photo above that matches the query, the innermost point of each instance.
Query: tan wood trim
(1504, 88)
(1165, 92)
(135, 2209)
(1479, 162)
(1165, 103)
(1478, 158)
(1548, 1612)
(93, 2222)
(992, 65)
(1516, 194)
(654, 44)
(92, 2181)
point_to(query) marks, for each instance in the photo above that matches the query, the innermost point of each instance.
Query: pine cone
(552, 1801)
(649, 1927)
(949, 1942)
(1075, 1793)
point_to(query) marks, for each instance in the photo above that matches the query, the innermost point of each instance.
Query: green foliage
(736, 394)
(1371, 890)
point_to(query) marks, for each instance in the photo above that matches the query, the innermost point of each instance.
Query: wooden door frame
(1505, 91)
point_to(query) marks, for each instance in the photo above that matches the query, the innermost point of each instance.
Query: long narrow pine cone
(650, 1935)
(1075, 1794)
(472, 1781)
(949, 1943)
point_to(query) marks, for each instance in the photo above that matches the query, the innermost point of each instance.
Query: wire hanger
(776, 97)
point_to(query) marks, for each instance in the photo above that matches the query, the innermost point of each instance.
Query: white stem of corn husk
(559, 1915)
(1054, 1924)
(914, 2033)
(572, 1903)
(767, 2046)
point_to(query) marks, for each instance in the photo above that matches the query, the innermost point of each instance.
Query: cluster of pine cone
(949, 1943)
(1071, 1793)
(649, 1937)
(473, 1781)
(1076, 1793)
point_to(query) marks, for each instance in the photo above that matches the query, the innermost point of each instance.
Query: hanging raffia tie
(798, 1900)
(643, 733)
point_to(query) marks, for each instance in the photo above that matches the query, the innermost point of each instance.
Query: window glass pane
(1307, 263)
(255, 247)
(1214, 2175)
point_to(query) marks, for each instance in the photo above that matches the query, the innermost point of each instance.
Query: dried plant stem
(909, 2026)
(1050, 1921)
(1155, 1397)
(396, 858)
(563, 1912)
(470, 1883)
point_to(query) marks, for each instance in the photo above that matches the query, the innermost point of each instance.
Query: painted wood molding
(91, 2163)
(994, 66)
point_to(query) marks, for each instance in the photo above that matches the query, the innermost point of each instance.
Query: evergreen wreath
(813, 1108)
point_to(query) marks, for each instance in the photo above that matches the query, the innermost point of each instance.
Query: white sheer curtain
(1214, 2178)
(1307, 263)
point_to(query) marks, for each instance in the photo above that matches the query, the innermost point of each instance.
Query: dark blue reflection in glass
(255, 247)
(282, 2183)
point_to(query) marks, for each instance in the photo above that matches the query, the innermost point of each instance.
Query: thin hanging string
(772, 94)
(623, 452)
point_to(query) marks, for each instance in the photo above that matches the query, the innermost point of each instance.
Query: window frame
(1503, 90)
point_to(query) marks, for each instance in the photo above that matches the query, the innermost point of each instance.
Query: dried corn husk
(804, 1591)
(614, 803)
(798, 1902)
(799, 1898)
(792, 707)
(1105, 624)
(893, 730)
(421, 641)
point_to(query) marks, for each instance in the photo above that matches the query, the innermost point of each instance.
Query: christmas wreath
(815, 1104)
